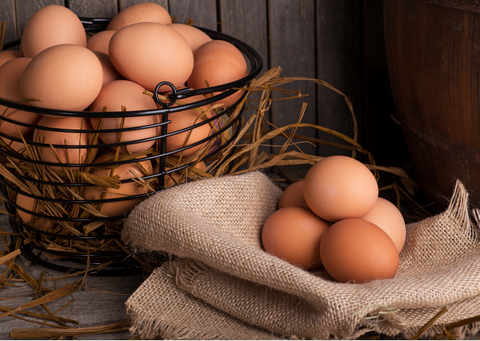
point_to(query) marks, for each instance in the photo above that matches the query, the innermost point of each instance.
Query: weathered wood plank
(291, 30)
(7, 13)
(122, 4)
(25, 9)
(339, 62)
(203, 13)
(94, 9)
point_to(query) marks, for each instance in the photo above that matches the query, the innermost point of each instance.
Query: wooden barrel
(433, 56)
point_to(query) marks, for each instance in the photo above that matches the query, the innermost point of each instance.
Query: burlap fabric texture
(221, 284)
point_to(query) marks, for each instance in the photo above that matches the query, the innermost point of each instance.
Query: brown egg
(110, 74)
(141, 12)
(66, 155)
(99, 41)
(7, 55)
(32, 205)
(218, 62)
(340, 187)
(10, 75)
(19, 147)
(52, 25)
(194, 36)
(131, 95)
(63, 77)
(356, 250)
(389, 218)
(294, 234)
(124, 172)
(182, 120)
(149, 53)
(293, 196)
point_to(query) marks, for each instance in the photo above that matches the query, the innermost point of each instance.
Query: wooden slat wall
(338, 41)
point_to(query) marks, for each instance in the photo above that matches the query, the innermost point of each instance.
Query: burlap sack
(223, 285)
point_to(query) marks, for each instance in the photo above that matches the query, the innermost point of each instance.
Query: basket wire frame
(121, 262)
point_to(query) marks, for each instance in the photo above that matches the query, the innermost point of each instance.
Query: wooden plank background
(337, 41)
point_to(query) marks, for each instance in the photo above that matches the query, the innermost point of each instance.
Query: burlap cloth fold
(221, 284)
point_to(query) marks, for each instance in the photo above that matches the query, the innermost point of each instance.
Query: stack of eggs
(335, 219)
(60, 68)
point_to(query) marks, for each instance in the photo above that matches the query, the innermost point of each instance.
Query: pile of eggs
(334, 218)
(59, 67)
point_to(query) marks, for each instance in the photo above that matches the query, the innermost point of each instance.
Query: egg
(293, 196)
(339, 187)
(10, 75)
(51, 25)
(149, 53)
(184, 120)
(389, 218)
(294, 235)
(218, 62)
(7, 55)
(110, 74)
(18, 147)
(194, 36)
(62, 77)
(124, 172)
(358, 251)
(30, 204)
(99, 41)
(141, 12)
(66, 155)
(131, 95)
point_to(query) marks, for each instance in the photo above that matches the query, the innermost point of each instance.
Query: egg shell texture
(29, 204)
(10, 75)
(141, 12)
(99, 41)
(389, 218)
(294, 234)
(150, 53)
(110, 74)
(7, 55)
(293, 196)
(194, 36)
(51, 25)
(66, 155)
(126, 93)
(123, 171)
(181, 120)
(356, 250)
(339, 187)
(218, 62)
(63, 77)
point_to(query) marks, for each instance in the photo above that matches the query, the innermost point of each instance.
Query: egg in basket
(100, 117)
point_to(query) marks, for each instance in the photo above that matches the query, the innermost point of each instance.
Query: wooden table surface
(99, 302)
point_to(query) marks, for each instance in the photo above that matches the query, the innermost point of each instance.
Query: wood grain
(7, 13)
(122, 4)
(339, 62)
(94, 9)
(203, 13)
(291, 28)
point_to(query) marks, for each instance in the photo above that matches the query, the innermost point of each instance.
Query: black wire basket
(84, 240)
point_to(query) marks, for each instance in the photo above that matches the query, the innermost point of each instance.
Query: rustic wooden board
(94, 9)
(122, 4)
(203, 13)
(339, 62)
(291, 28)
(7, 10)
